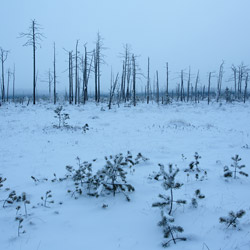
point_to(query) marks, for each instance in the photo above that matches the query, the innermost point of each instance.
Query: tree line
(123, 86)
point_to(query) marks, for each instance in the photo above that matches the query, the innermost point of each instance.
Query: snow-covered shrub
(232, 218)
(169, 183)
(194, 168)
(25, 202)
(170, 230)
(47, 199)
(19, 219)
(12, 198)
(197, 196)
(85, 128)
(83, 178)
(62, 117)
(112, 177)
(236, 168)
(2, 180)
(36, 180)
(131, 162)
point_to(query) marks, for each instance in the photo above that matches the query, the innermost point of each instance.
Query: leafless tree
(148, 82)
(113, 85)
(196, 88)
(219, 81)
(245, 91)
(98, 60)
(34, 37)
(54, 73)
(13, 83)
(188, 84)
(8, 84)
(3, 58)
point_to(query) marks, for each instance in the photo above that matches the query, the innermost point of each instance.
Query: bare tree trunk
(34, 61)
(167, 81)
(245, 92)
(209, 85)
(134, 79)
(8, 86)
(76, 74)
(13, 86)
(182, 87)
(196, 87)
(157, 88)
(220, 81)
(188, 85)
(54, 72)
(148, 84)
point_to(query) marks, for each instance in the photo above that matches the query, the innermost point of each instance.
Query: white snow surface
(31, 146)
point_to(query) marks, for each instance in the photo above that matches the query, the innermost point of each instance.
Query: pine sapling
(170, 230)
(236, 168)
(12, 197)
(168, 183)
(85, 128)
(47, 199)
(19, 219)
(232, 218)
(194, 167)
(25, 202)
(2, 180)
(197, 196)
(112, 178)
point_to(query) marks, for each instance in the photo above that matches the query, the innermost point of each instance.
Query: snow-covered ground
(31, 146)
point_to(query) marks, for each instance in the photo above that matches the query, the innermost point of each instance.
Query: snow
(31, 146)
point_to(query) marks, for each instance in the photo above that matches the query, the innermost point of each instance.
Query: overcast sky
(196, 33)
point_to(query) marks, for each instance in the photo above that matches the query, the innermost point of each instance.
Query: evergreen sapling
(171, 231)
(236, 168)
(169, 183)
(232, 218)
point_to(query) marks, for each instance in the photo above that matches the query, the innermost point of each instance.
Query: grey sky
(196, 33)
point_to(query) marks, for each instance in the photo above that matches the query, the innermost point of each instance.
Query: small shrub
(112, 177)
(62, 117)
(2, 180)
(170, 230)
(19, 219)
(236, 168)
(47, 199)
(168, 183)
(197, 196)
(232, 218)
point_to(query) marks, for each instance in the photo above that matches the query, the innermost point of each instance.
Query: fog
(195, 33)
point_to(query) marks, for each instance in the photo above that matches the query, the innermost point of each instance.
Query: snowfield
(31, 146)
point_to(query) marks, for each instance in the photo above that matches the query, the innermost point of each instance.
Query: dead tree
(182, 87)
(245, 91)
(76, 74)
(167, 75)
(54, 73)
(3, 58)
(134, 79)
(157, 88)
(98, 59)
(86, 68)
(234, 69)
(219, 82)
(148, 82)
(13, 83)
(8, 84)
(196, 88)
(34, 37)
(112, 88)
(71, 96)
(188, 84)
(209, 86)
